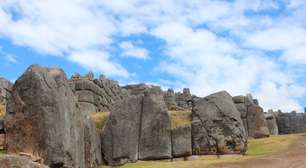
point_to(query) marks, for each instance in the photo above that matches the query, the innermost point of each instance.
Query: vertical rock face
(43, 119)
(181, 141)
(5, 90)
(138, 128)
(155, 131)
(216, 126)
(92, 144)
(257, 125)
(252, 116)
(290, 123)
(271, 123)
(121, 134)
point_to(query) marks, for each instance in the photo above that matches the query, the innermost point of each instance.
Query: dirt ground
(295, 157)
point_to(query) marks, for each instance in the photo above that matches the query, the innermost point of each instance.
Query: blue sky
(242, 46)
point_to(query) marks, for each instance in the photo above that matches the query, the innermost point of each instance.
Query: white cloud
(285, 97)
(62, 28)
(11, 58)
(130, 50)
(210, 45)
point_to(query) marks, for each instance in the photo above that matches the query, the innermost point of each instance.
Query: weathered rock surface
(14, 161)
(155, 131)
(96, 95)
(181, 141)
(257, 125)
(138, 129)
(121, 134)
(5, 90)
(290, 123)
(216, 126)
(179, 100)
(140, 89)
(92, 144)
(184, 99)
(252, 116)
(169, 97)
(43, 119)
(271, 123)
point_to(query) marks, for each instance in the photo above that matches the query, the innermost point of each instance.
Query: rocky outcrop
(290, 123)
(96, 95)
(271, 123)
(14, 161)
(181, 141)
(216, 126)
(120, 137)
(5, 90)
(155, 131)
(257, 125)
(43, 120)
(252, 116)
(138, 129)
(92, 144)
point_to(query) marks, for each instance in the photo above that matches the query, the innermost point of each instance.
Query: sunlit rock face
(43, 119)
(216, 126)
(252, 116)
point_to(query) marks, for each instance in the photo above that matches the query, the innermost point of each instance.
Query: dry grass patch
(180, 118)
(2, 110)
(257, 148)
(100, 118)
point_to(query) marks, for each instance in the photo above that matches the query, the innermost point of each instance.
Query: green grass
(257, 148)
(100, 118)
(180, 118)
(271, 145)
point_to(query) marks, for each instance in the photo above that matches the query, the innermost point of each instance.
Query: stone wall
(179, 100)
(290, 123)
(48, 117)
(252, 116)
(96, 95)
(44, 121)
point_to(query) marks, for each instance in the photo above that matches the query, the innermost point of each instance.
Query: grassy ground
(257, 148)
(100, 118)
(179, 118)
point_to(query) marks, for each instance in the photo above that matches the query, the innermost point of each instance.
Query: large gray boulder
(257, 125)
(138, 128)
(92, 144)
(43, 119)
(120, 136)
(155, 131)
(181, 141)
(271, 123)
(252, 116)
(15, 161)
(216, 126)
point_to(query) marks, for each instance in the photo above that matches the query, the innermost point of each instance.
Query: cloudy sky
(256, 46)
